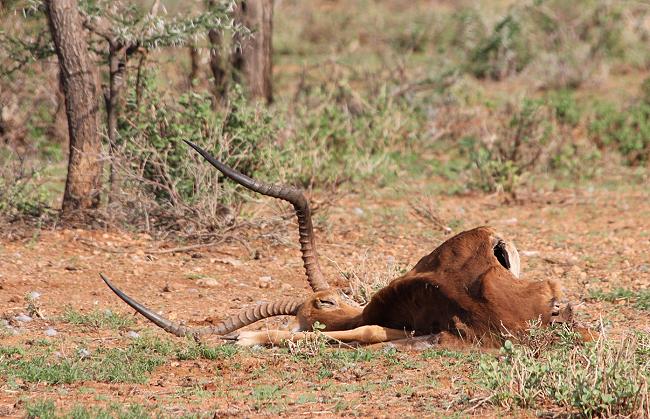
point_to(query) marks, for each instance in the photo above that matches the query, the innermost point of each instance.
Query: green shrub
(627, 130)
(524, 140)
(21, 194)
(601, 379)
(504, 52)
(565, 107)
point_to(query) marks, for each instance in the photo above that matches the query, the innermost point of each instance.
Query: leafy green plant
(600, 379)
(628, 130)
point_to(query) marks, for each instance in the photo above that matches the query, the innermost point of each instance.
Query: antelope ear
(507, 255)
(501, 253)
(513, 258)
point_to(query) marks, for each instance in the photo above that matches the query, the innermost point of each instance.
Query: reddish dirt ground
(589, 239)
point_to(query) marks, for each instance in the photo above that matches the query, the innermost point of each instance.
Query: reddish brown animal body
(466, 290)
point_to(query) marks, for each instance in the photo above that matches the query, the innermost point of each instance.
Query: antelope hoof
(251, 338)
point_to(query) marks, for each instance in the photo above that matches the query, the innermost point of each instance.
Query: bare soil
(588, 238)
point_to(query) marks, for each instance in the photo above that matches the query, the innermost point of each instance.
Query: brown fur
(461, 288)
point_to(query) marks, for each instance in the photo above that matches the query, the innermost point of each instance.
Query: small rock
(507, 221)
(50, 332)
(529, 253)
(210, 387)
(286, 287)
(34, 295)
(133, 334)
(71, 268)
(208, 282)
(227, 261)
(358, 211)
(22, 317)
(168, 288)
(108, 312)
(83, 353)
(264, 282)
(197, 256)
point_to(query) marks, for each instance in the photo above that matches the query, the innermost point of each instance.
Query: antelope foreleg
(364, 335)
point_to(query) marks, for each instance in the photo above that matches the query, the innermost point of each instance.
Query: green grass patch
(101, 319)
(128, 365)
(640, 299)
(46, 409)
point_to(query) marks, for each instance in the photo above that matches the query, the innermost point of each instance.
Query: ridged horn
(251, 315)
(300, 204)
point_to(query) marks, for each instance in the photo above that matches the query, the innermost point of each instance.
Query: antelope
(466, 291)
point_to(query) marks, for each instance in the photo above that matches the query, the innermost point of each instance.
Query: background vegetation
(489, 96)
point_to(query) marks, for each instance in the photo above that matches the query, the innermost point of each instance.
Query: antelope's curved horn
(249, 316)
(300, 204)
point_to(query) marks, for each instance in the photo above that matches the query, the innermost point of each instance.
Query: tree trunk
(253, 59)
(83, 183)
(117, 68)
(217, 65)
(195, 65)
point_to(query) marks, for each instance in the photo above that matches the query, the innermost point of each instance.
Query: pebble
(83, 353)
(22, 317)
(50, 332)
(264, 282)
(286, 287)
(529, 253)
(34, 295)
(208, 282)
(358, 211)
(507, 221)
(133, 335)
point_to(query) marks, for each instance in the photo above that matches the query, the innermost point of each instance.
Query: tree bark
(253, 59)
(117, 57)
(83, 182)
(217, 65)
(195, 65)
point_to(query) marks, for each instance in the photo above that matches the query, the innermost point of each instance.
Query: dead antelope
(466, 291)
